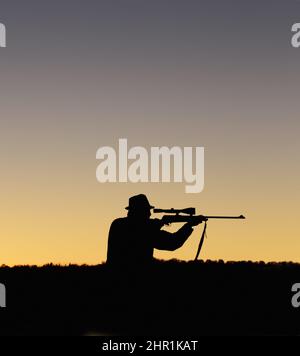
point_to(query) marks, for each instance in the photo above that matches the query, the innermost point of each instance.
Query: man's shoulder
(125, 221)
(119, 221)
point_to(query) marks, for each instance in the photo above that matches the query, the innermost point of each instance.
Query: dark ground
(174, 298)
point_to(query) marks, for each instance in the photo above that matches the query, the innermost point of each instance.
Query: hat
(139, 202)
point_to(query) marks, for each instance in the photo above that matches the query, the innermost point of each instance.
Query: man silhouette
(132, 239)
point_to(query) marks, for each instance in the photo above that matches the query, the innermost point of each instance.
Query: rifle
(188, 215)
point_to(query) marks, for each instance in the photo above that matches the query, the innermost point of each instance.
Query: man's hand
(196, 220)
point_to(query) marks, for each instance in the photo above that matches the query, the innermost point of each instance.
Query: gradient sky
(77, 75)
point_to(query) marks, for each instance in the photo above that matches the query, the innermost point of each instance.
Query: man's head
(139, 207)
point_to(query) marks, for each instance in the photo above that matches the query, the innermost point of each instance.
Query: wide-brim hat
(139, 201)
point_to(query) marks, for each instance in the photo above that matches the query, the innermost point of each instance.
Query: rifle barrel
(169, 219)
(225, 217)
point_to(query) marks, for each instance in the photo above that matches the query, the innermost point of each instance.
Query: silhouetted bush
(172, 298)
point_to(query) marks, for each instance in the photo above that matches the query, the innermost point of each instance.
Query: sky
(76, 76)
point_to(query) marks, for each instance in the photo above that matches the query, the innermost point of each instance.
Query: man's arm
(165, 240)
